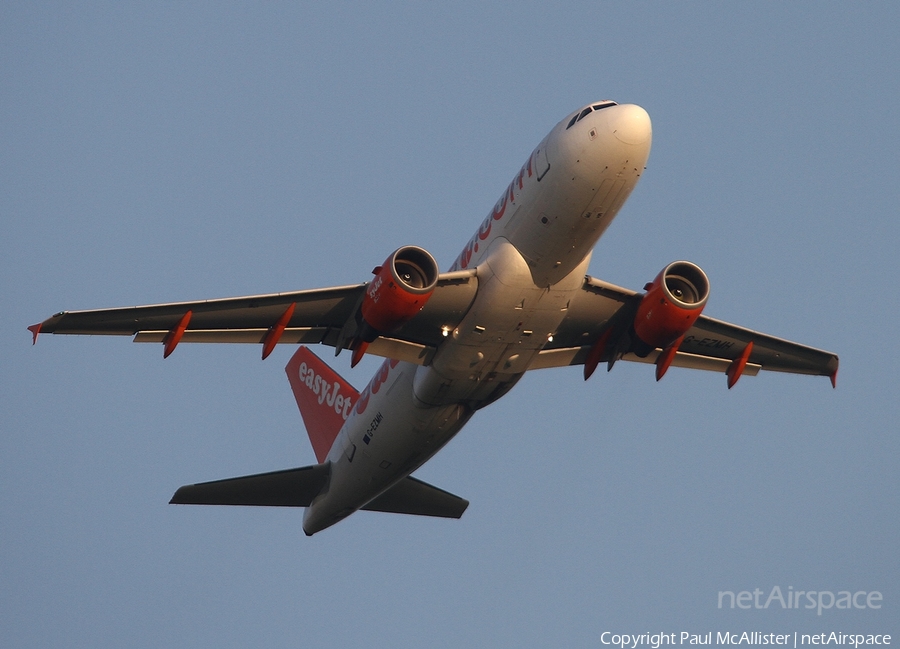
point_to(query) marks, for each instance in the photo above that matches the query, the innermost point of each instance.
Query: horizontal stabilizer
(288, 488)
(412, 496)
(299, 487)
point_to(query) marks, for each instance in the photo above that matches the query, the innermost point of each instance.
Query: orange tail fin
(324, 398)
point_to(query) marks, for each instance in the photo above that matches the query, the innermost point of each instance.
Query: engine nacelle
(671, 305)
(401, 287)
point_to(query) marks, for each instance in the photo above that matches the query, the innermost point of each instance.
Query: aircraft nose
(629, 123)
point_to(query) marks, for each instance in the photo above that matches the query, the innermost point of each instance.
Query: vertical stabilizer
(324, 398)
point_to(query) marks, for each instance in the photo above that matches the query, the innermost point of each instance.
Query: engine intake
(671, 305)
(401, 287)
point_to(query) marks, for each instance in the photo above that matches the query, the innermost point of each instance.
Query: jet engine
(401, 287)
(671, 305)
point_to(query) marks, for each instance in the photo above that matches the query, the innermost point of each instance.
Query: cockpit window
(588, 111)
(578, 117)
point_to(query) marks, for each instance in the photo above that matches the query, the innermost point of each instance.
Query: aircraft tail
(324, 398)
(325, 401)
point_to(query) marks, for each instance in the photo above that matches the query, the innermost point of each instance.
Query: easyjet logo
(328, 392)
(484, 230)
(373, 288)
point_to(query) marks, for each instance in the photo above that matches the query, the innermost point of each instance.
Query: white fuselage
(530, 254)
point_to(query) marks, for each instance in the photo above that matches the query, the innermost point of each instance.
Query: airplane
(517, 298)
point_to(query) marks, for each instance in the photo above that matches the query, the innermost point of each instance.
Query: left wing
(709, 345)
(314, 316)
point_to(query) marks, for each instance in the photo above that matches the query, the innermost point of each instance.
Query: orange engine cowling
(671, 305)
(401, 287)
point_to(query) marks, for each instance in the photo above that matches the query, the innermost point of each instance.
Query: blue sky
(165, 152)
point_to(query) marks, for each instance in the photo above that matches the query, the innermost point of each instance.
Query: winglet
(35, 329)
(833, 375)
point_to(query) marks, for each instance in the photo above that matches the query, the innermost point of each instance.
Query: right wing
(314, 316)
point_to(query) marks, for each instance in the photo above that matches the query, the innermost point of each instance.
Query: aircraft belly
(509, 322)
